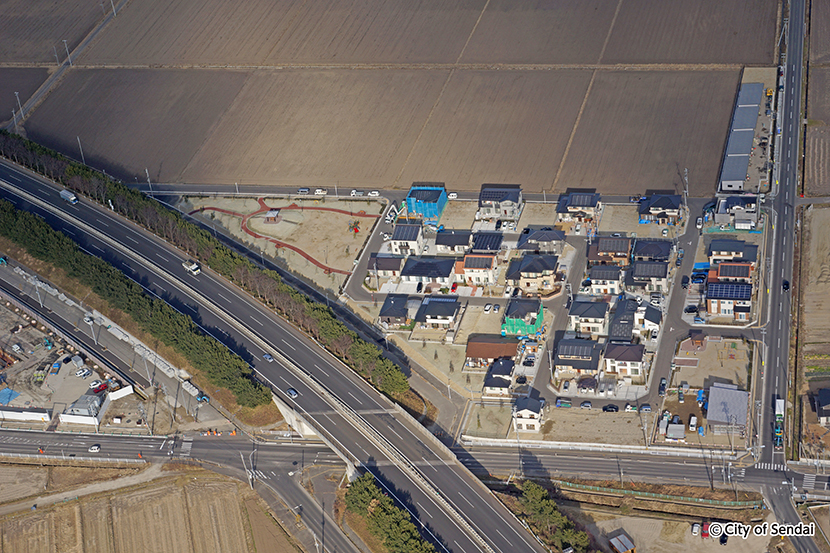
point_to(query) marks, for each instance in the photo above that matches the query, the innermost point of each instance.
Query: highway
(251, 330)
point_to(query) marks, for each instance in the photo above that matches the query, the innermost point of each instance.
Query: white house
(624, 360)
(589, 317)
(407, 240)
(605, 280)
(477, 269)
(527, 415)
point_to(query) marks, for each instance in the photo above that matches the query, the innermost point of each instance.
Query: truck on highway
(191, 267)
(69, 196)
(779, 410)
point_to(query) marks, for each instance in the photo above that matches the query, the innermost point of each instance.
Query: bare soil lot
(820, 31)
(640, 129)
(817, 163)
(282, 31)
(494, 126)
(30, 30)
(696, 31)
(818, 106)
(815, 284)
(312, 127)
(135, 118)
(24, 81)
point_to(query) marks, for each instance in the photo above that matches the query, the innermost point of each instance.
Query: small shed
(272, 216)
(622, 543)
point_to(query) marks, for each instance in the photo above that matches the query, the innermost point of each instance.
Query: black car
(610, 408)
(690, 309)
(516, 292)
(786, 285)
(662, 390)
(685, 281)
(420, 287)
(723, 539)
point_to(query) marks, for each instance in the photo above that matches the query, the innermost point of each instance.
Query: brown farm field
(30, 32)
(275, 32)
(819, 31)
(640, 129)
(24, 81)
(815, 284)
(131, 119)
(817, 169)
(694, 31)
(818, 101)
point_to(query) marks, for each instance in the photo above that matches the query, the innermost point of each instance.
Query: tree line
(548, 522)
(314, 318)
(216, 362)
(385, 521)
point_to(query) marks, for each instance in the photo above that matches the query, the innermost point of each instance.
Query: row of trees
(554, 528)
(314, 318)
(385, 521)
(220, 366)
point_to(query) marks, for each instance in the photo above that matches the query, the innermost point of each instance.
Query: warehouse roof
(727, 405)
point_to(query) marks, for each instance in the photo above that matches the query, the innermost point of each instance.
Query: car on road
(292, 393)
(585, 405)
(699, 223)
(94, 448)
(88, 320)
(690, 309)
(630, 408)
(303, 191)
(488, 307)
(356, 193)
(662, 390)
(685, 281)
(786, 285)
(268, 357)
(452, 195)
(496, 307)
(705, 533)
(695, 529)
(610, 408)
(645, 408)
(94, 384)
(374, 194)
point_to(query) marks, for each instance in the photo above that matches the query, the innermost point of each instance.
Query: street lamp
(67, 52)
(19, 107)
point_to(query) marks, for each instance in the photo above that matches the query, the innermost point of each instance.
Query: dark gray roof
(604, 272)
(496, 382)
(744, 119)
(587, 354)
(530, 404)
(734, 270)
(521, 307)
(747, 252)
(625, 352)
(487, 241)
(653, 314)
(478, 261)
(650, 269)
(501, 367)
(531, 264)
(453, 238)
(617, 246)
(579, 200)
(729, 291)
(406, 233)
(429, 192)
(655, 250)
(621, 328)
(394, 306)
(433, 267)
(823, 402)
(531, 239)
(740, 141)
(727, 405)
(588, 309)
(441, 306)
(385, 262)
(660, 202)
(499, 193)
(751, 94)
(741, 130)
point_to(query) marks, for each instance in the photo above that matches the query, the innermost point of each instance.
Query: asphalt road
(187, 292)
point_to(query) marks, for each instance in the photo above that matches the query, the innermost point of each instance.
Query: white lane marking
(131, 239)
(424, 510)
(322, 371)
(100, 222)
(459, 547)
(259, 323)
(162, 444)
(429, 464)
(287, 344)
(395, 433)
(164, 258)
(159, 287)
(96, 247)
(467, 500)
(223, 297)
(357, 400)
(284, 380)
(70, 232)
(502, 535)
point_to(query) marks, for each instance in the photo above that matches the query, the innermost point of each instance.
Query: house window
(531, 427)
(519, 426)
(633, 371)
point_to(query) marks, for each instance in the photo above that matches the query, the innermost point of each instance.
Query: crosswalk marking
(771, 466)
(809, 481)
(187, 445)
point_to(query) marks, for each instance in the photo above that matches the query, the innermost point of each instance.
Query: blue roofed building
(427, 200)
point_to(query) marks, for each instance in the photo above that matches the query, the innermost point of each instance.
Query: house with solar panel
(432, 271)
(576, 358)
(589, 318)
(662, 209)
(487, 242)
(609, 250)
(427, 200)
(729, 300)
(648, 276)
(523, 317)
(578, 207)
(499, 202)
(438, 312)
(606, 280)
(476, 269)
(651, 250)
(731, 272)
(732, 250)
(534, 274)
(407, 240)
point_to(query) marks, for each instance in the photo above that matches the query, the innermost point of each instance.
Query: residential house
(487, 242)
(588, 318)
(651, 250)
(484, 349)
(407, 240)
(385, 265)
(663, 209)
(728, 409)
(732, 272)
(647, 320)
(823, 406)
(732, 250)
(541, 240)
(438, 312)
(621, 327)
(499, 378)
(621, 542)
(87, 406)
(606, 280)
(523, 317)
(733, 300)
(527, 415)
(578, 207)
(453, 241)
(739, 211)
(499, 202)
(438, 270)
(609, 250)
(427, 200)
(477, 269)
(652, 276)
(576, 357)
(533, 273)
(394, 312)
(625, 361)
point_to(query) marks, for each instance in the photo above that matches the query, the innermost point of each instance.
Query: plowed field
(819, 31)
(20, 80)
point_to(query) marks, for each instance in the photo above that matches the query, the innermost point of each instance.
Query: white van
(356, 193)
(321, 192)
(692, 423)
(303, 191)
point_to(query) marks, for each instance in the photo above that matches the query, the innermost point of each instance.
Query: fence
(658, 496)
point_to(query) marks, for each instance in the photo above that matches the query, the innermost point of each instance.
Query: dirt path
(150, 473)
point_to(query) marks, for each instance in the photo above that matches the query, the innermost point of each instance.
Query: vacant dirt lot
(718, 360)
(30, 30)
(641, 129)
(815, 284)
(626, 218)
(818, 105)
(820, 31)
(135, 118)
(817, 168)
(695, 31)
(21, 80)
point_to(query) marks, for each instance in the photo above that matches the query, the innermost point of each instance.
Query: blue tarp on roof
(7, 396)
(701, 266)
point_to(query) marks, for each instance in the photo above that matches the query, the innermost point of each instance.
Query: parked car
(516, 292)
(94, 448)
(420, 287)
(488, 307)
(268, 357)
(681, 397)
(94, 384)
(610, 408)
(665, 232)
(585, 405)
(690, 309)
(645, 408)
(452, 195)
(496, 307)
(566, 385)
(292, 393)
(374, 194)
(454, 287)
(705, 533)
(630, 408)
(699, 223)
(695, 529)
(529, 361)
(723, 539)
(100, 388)
(662, 390)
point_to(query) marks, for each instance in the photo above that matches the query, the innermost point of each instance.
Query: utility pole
(146, 172)
(81, 149)
(248, 474)
(67, 52)
(14, 116)
(56, 55)
(19, 107)
(114, 13)
(518, 444)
